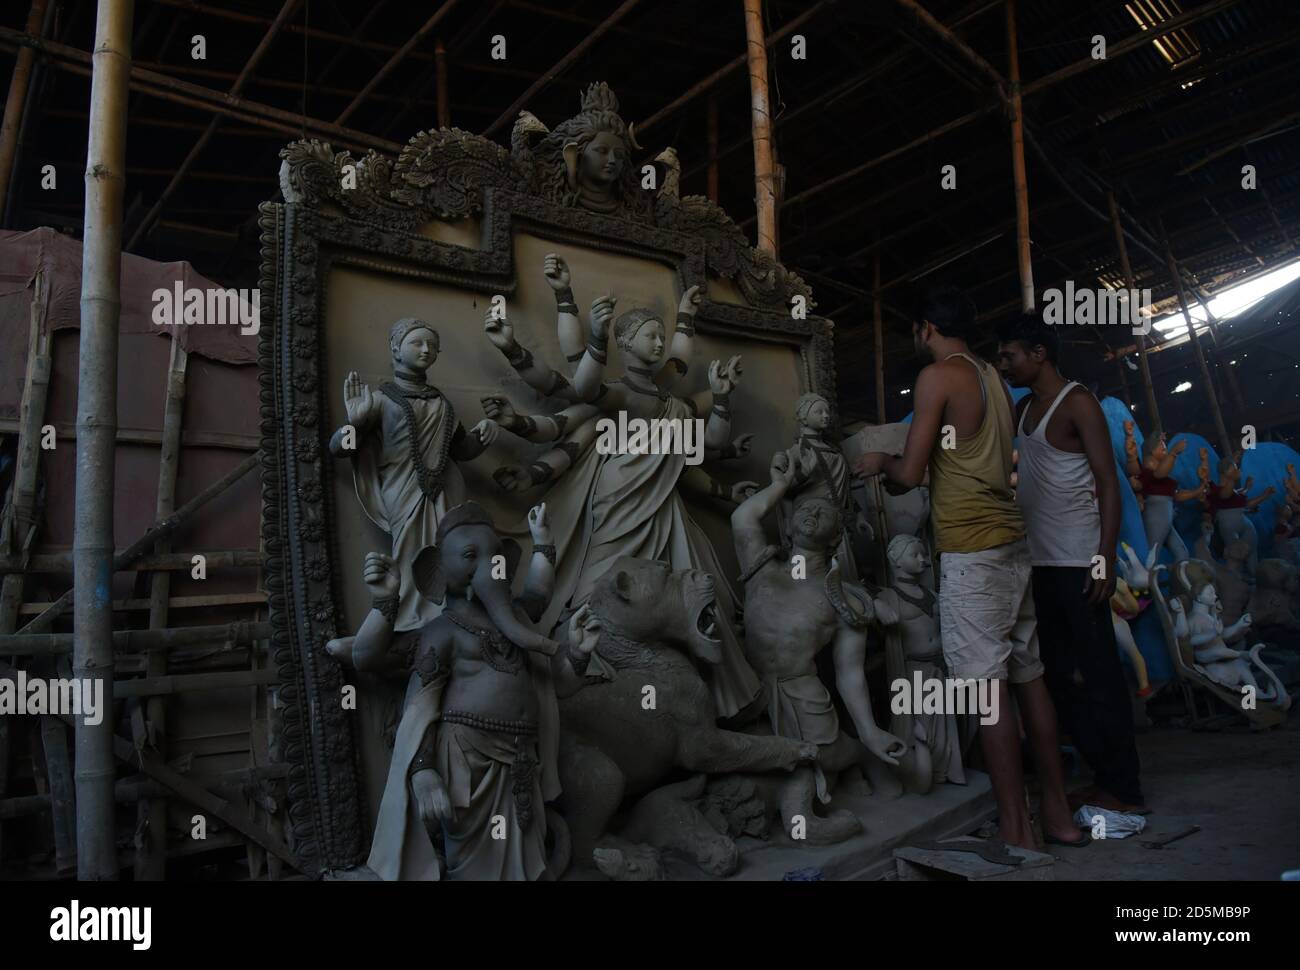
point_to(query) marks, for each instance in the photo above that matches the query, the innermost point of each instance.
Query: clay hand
(602, 312)
(690, 301)
(1175, 605)
(1179, 448)
(499, 330)
(782, 469)
(723, 378)
(360, 404)
(743, 490)
(886, 747)
(486, 431)
(381, 575)
(498, 408)
(740, 446)
(1245, 621)
(863, 527)
(556, 271)
(584, 631)
(512, 478)
(432, 799)
(539, 525)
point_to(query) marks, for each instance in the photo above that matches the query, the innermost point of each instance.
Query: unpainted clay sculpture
(474, 757)
(796, 604)
(1126, 604)
(403, 442)
(933, 740)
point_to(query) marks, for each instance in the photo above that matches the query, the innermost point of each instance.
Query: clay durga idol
(1160, 491)
(609, 504)
(1231, 509)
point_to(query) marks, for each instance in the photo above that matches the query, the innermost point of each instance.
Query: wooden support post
(19, 82)
(879, 323)
(127, 641)
(712, 134)
(1018, 166)
(1154, 425)
(151, 844)
(444, 97)
(1225, 443)
(101, 269)
(60, 563)
(761, 127)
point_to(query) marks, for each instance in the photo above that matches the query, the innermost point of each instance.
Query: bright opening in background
(1233, 300)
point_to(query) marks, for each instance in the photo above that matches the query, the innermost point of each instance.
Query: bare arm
(747, 520)
(683, 343)
(850, 653)
(931, 398)
(590, 375)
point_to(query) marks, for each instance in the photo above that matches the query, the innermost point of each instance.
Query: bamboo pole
(968, 54)
(124, 641)
(1153, 408)
(101, 269)
(761, 127)
(711, 125)
(1211, 395)
(161, 528)
(878, 320)
(60, 563)
(151, 845)
(196, 95)
(1023, 256)
(444, 97)
(19, 82)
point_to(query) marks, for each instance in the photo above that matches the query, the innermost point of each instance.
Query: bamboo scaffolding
(1023, 256)
(160, 529)
(205, 601)
(761, 128)
(60, 563)
(57, 644)
(444, 96)
(878, 325)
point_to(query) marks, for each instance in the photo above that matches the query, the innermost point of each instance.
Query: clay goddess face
(912, 559)
(818, 417)
(602, 161)
(419, 349)
(648, 344)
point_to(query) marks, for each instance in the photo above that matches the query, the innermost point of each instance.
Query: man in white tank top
(1068, 492)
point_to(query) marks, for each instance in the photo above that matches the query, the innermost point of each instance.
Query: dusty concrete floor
(1242, 788)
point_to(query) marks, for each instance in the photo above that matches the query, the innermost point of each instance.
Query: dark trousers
(1077, 644)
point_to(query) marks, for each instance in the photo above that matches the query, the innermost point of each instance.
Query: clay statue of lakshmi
(403, 441)
(1160, 491)
(605, 504)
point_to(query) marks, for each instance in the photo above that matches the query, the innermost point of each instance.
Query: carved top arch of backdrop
(446, 217)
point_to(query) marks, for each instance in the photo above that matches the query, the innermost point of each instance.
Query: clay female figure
(933, 740)
(612, 504)
(1206, 635)
(1230, 508)
(404, 442)
(1132, 583)
(1159, 490)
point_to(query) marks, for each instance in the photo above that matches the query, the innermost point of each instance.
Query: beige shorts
(986, 614)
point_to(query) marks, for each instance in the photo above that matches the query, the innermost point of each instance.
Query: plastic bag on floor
(1105, 824)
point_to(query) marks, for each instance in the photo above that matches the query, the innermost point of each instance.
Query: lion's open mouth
(706, 624)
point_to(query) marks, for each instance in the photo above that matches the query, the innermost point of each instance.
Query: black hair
(950, 310)
(1031, 330)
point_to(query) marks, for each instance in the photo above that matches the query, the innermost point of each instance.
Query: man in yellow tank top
(961, 431)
